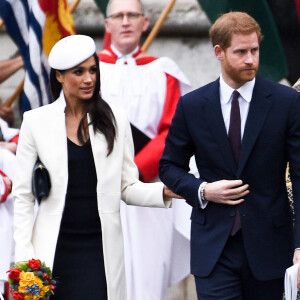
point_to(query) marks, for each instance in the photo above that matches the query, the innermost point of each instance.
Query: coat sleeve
(135, 192)
(147, 159)
(23, 198)
(174, 164)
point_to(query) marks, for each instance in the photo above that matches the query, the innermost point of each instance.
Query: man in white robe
(148, 88)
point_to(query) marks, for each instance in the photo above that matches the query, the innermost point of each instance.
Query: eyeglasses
(131, 16)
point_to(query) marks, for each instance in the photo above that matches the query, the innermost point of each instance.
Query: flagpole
(74, 5)
(19, 88)
(157, 25)
(13, 97)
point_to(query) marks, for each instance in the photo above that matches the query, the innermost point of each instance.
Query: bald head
(115, 2)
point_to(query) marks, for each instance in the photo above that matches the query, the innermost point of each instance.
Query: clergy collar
(246, 90)
(125, 58)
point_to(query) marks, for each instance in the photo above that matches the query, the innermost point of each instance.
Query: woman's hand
(167, 193)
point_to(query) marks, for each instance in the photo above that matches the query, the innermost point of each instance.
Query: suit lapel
(217, 125)
(259, 108)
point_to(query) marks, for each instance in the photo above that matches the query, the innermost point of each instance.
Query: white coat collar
(61, 102)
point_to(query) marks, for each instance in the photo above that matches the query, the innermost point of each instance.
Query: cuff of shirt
(203, 203)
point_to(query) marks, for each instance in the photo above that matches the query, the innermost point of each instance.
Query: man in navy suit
(243, 130)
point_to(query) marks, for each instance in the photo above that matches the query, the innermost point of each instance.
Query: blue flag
(34, 26)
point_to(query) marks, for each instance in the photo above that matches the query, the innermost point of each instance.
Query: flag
(272, 58)
(35, 26)
(286, 15)
(297, 3)
(102, 4)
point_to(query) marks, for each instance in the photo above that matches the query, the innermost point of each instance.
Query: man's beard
(240, 76)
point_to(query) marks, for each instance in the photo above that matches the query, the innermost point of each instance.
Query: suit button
(232, 214)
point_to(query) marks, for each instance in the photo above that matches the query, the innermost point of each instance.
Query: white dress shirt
(246, 91)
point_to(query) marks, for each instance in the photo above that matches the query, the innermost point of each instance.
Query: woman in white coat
(87, 148)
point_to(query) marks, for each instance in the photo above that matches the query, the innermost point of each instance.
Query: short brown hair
(232, 22)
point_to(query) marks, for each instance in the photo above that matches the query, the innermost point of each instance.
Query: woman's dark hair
(101, 115)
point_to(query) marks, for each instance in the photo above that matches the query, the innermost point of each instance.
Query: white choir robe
(157, 241)
(7, 165)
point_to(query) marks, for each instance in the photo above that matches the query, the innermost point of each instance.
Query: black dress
(78, 263)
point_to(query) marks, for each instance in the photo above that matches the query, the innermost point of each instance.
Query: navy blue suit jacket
(271, 138)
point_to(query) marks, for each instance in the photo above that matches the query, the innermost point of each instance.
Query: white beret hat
(71, 51)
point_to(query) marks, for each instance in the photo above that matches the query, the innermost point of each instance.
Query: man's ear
(145, 24)
(219, 52)
(107, 27)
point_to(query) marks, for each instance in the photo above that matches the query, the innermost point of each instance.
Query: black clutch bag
(40, 181)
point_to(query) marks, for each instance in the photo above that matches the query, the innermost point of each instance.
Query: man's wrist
(202, 191)
(201, 195)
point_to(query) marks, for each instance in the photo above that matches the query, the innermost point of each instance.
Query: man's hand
(296, 259)
(7, 114)
(229, 192)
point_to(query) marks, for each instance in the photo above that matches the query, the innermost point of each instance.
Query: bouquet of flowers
(31, 280)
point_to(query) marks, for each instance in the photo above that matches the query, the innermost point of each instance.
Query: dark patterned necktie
(234, 135)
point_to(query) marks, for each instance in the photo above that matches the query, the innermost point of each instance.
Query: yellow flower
(28, 277)
(38, 281)
(23, 283)
(30, 296)
(42, 294)
(45, 288)
(22, 289)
